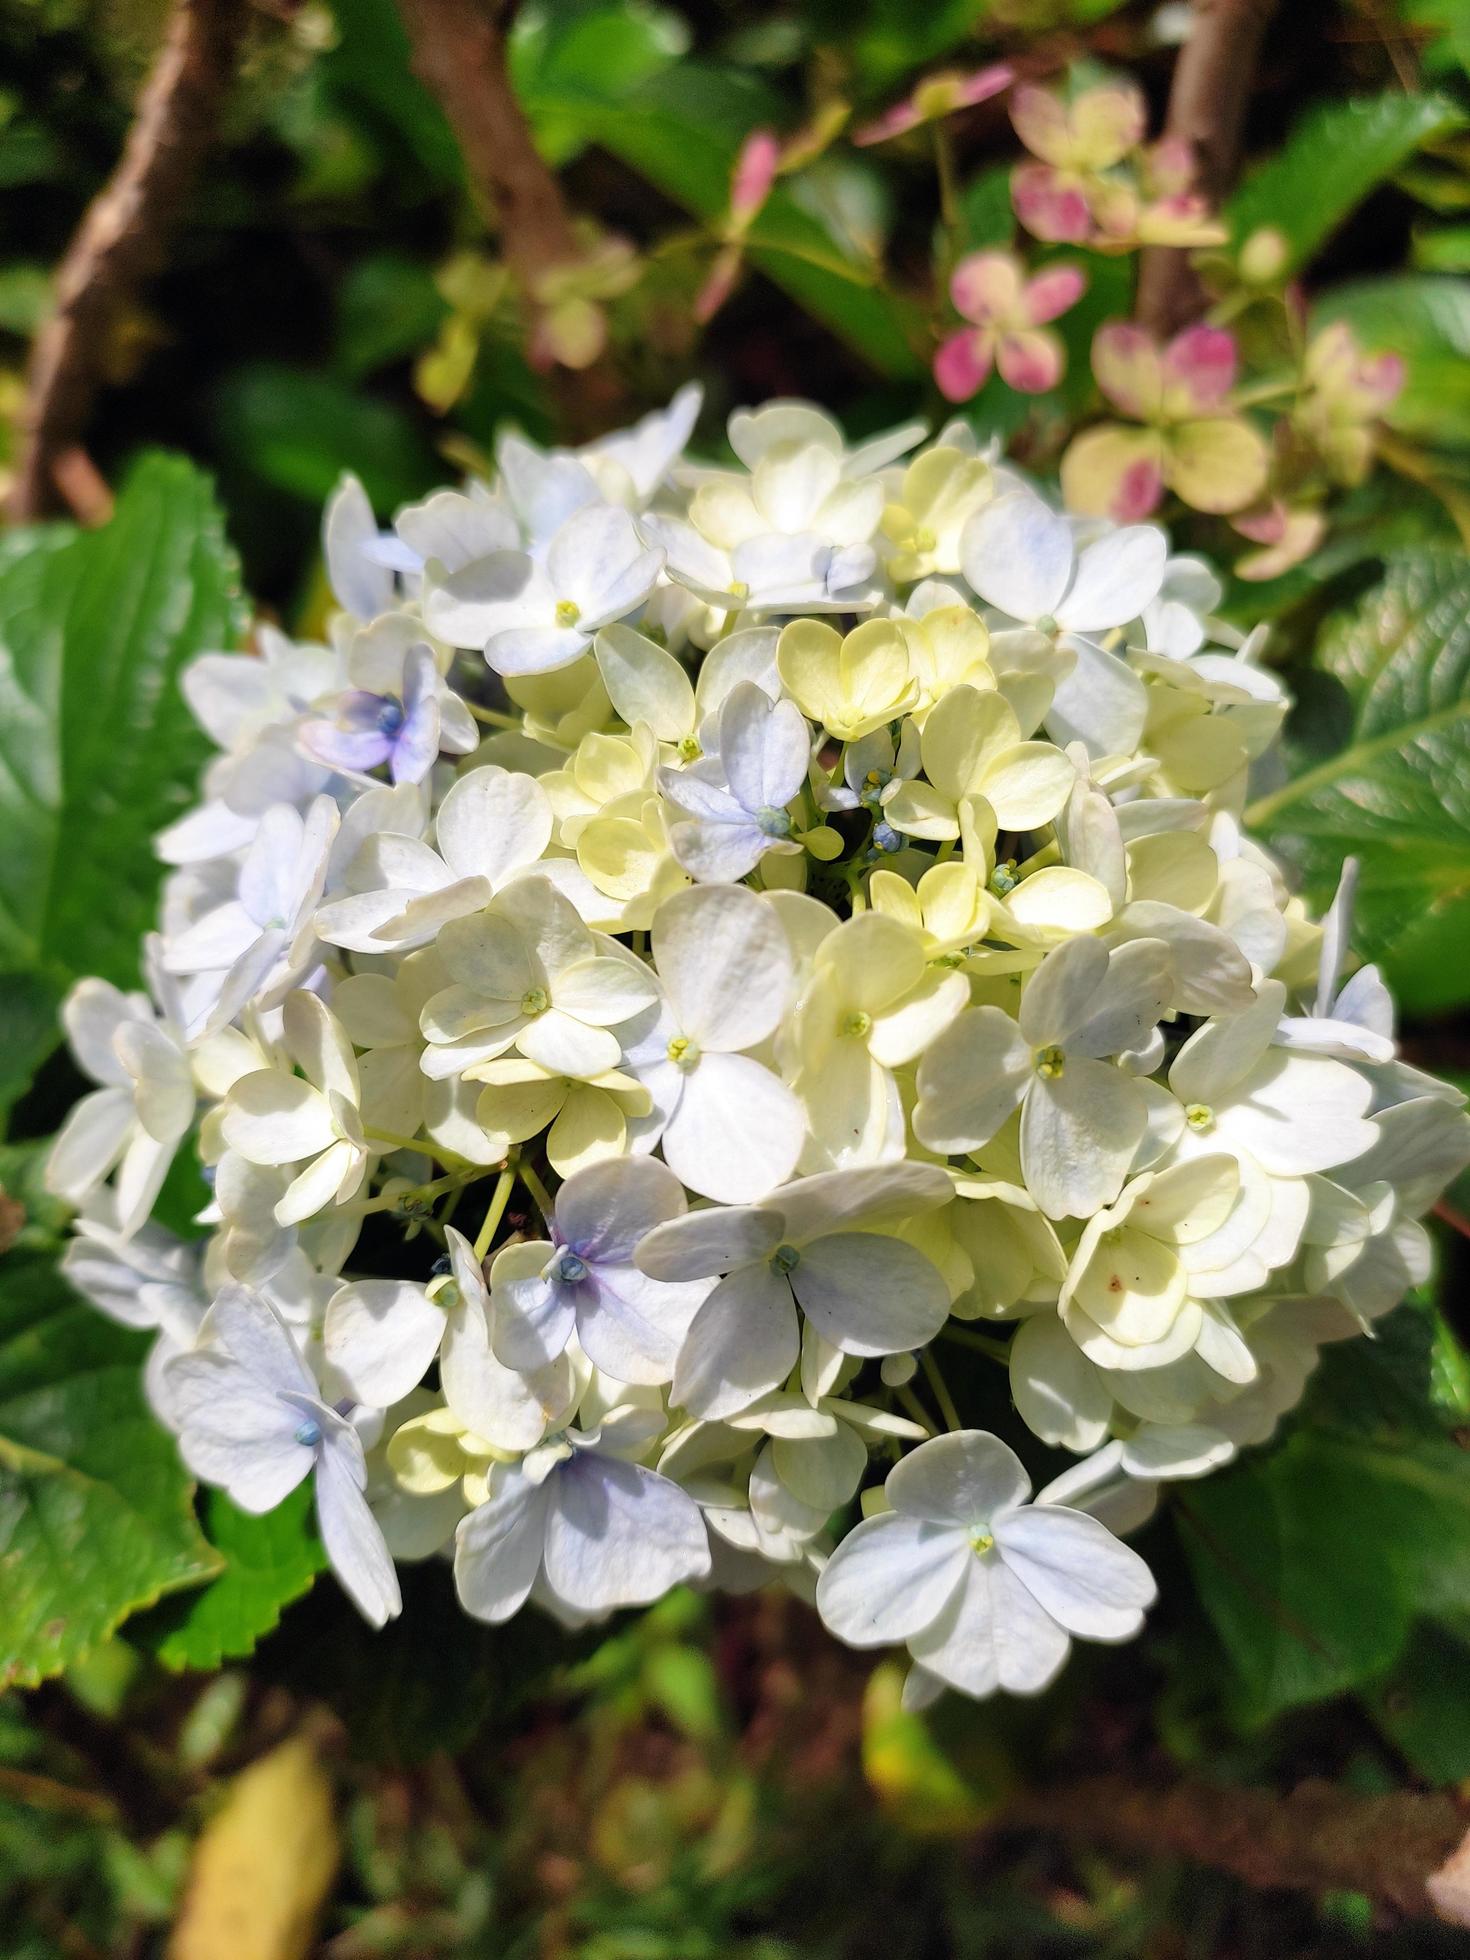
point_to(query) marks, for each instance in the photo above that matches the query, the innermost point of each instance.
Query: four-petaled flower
(1008, 314)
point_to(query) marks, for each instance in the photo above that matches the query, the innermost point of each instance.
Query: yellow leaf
(264, 1864)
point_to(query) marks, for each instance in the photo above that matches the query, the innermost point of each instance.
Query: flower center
(981, 1541)
(568, 612)
(683, 1052)
(309, 1434)
(772, 822)
(1199, 1116)
(1003, 880)
(925, 539)
(858, 1024)
(886, 838)
(785, 1259)
(390, 715)
(1047, 625)
(535, 1000)
(689, 750)
(738, 589)
(570, 1269)
(1050, 1062)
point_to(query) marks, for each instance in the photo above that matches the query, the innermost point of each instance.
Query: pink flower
(1345, 391)
(1076, 144)
(755, 172)
(1191, 441)
(1007, 313)
(1286, 535)
(935, 97)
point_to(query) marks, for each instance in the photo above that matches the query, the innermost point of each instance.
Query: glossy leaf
(1397, 792)
(1331, 161)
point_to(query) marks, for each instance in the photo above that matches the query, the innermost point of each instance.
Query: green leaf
(96, 1518)
(1313, 1562)
(1422, 1707)
(605, 51)
(1426, 318)
(681, 130)
(268, 1562)
(1398, 792)
(97, 748)
(388, 307)
(298, 431)
(1331, 161)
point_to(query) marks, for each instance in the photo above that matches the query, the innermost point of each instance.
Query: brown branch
(458, 52)
(1213, 78)
(459, 56)
(1406, 1851)
(121, 240)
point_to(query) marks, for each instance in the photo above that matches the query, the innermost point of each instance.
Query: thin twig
(120, 242)
(1399, 1849)
(1213, 78)
(459, 54)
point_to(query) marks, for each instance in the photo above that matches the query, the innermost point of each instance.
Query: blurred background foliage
(705, 1780)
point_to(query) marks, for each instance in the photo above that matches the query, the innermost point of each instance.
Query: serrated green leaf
(1333, 158)
(1398, 793)
(96, 1517)
(97, 748)
(1426, 318)
(268, 1562)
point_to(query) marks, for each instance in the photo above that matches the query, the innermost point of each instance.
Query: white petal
(1075, 1568)
(868, 1294)
(963, 1479)
(737, 1131)
(619, 1535)
(352, 1537)
(1017, 555)
(726, 965)
(743, 1342)
(497, 1548)
(889, 1578)
(1078, 1135)
(992, 1635)
(1116, 578)
(381, 1335)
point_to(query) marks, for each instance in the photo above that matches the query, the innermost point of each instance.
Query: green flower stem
(940, 1390)
(985, 1344)
(538, 1191)
(915, 1408)
(451, 1158)
(495, 1211)
(495, 717)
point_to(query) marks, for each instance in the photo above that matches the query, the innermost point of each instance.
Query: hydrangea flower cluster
(697, 944)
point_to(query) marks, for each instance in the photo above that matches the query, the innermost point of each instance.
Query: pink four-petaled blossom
(936, 96)
(1008, 314)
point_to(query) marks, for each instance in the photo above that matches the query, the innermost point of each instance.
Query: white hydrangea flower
(733, 804)
(251, 1420)
(1082, 1117)
(804, 1248)
(1018, 1029)
(986, 1590)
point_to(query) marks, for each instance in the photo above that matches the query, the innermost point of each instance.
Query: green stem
(915, 1408)
(496, 718)
(949, 202)
(495, 1211)
(424, 1148)
(413, 1194)
(984, 1344)
(940, 1390)
(539, 1192)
